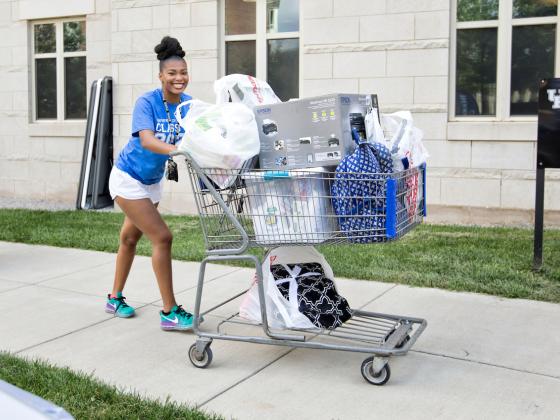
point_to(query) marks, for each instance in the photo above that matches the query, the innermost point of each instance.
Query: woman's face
(174, 77)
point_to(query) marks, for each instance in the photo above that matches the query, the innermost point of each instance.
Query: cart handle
(212, 190)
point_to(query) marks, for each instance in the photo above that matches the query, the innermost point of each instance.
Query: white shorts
(123, 185)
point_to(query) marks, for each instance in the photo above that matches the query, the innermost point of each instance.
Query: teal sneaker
(118, 307)
(177, 319)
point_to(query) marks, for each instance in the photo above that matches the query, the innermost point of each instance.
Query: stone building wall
(398, 49)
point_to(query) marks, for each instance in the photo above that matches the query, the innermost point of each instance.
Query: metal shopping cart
(259, 208)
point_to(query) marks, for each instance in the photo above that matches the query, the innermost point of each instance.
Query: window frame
(261, 38)
(60, 55)
(504, 24)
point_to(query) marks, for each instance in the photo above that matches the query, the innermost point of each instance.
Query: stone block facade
(399, 49)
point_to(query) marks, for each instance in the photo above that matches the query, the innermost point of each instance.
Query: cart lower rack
(240, 209)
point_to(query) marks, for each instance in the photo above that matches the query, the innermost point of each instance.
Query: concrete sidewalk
(481, 357)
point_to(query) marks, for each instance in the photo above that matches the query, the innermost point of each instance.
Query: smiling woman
(136, 184)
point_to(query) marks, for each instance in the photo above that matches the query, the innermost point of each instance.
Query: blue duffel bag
(358, 191)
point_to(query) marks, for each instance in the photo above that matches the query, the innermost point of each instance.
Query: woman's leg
(146, 218)
(129, 237)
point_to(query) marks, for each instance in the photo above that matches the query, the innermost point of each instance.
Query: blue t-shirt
(149, 114)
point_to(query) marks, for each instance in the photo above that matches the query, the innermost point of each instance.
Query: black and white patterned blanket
(316, 294)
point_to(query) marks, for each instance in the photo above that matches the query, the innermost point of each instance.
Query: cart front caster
(380, 378)
(200, 359)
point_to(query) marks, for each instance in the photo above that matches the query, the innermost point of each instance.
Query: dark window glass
(75, 87)
(283, 67)
(74, 36)
(476, 72)
(45, 38)
(282, 16)
(534, 8)
(45, 69)
(240, 17)
(532, 59)
(240, 57)
(472, 10)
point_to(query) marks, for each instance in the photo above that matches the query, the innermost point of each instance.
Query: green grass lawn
(496, 261)
(86, 398)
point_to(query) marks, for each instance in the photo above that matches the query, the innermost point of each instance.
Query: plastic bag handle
(178, 115)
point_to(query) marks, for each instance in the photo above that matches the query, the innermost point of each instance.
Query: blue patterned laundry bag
(358, 191)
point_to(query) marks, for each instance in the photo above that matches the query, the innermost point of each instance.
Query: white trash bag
(404, 140)
(219, 135)
(281, 312)
(245, 89)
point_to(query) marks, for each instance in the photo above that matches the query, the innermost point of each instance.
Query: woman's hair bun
(168, 47)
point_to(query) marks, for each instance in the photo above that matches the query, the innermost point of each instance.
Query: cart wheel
(200, 360)
(367, 372)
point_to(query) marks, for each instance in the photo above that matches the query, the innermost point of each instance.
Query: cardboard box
(310, 132)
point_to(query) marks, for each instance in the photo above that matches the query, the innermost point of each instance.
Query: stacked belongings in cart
(326, 166)
(321, 170)
(329, 155)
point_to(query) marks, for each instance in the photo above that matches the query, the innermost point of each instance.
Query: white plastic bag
(281, 312)
(245, 89)
(218, 136)
(404, 140)
(374, 132)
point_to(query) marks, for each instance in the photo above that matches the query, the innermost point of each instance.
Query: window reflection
(74, 36)
(476, 72)
(45, 38)
(240, 17)
(240, 57)
(472, 10)
(45, 70)
(532, 59)
(282, 16)
(534, 8)
(283, 67)
(75, 87)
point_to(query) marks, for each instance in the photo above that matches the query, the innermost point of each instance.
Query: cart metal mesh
(306, 207)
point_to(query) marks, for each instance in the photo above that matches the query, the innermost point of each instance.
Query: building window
(261, 38)
(502, 49)
(59, 69)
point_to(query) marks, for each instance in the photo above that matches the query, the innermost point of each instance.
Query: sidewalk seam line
(70, 273)
(222, 392)
(62, 336)
(485, 364)
(196, 285)
(16, 288)
(143, 304)
(60, 289)
(72, 332)
(378, 296)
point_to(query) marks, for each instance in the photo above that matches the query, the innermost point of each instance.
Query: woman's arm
(150, 142)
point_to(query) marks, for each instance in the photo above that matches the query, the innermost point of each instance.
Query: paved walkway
(481, 357)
